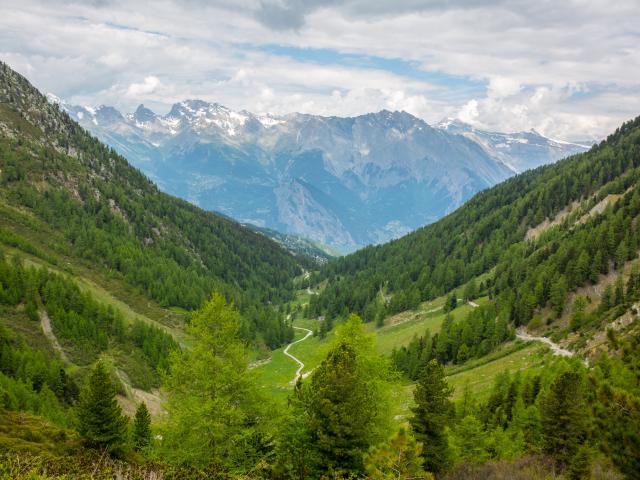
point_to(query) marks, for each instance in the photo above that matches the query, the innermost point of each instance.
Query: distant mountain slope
(521, 150)
(109, 215)
(344, 182)
(541, 234)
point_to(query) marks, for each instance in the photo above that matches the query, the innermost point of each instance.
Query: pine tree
(333, 403)
(430, 416)
(563, 415)
(100, 419)
(141, 427)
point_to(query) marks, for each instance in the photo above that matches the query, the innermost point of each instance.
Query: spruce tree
(563, 416)
(430, 415)
(100, 419)
(333, 403)
(346, 402)
(141, 427)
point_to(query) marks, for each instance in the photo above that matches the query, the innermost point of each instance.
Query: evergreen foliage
(100, 419)
(490, 232)
(338, 421)
(85, 327)
(141, 427)
(344, 407)
(112, 217)
(563, 417)
(430, 417)
(476, 335)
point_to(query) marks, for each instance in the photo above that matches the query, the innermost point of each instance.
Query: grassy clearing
(276, 374)
(24, 432)
(479, 379)
(479, 375)
(400, 329)
(313, 350)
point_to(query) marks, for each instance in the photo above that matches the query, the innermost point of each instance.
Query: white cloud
(148, 86)
(570, 69)
(503, 87)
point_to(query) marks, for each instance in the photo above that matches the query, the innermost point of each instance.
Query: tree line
(338, 423)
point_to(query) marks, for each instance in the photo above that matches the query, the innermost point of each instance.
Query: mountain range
(342, 182)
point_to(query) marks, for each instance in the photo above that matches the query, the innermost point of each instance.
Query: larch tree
(397, 459)
(216, 416)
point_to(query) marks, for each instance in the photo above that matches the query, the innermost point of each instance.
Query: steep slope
(344, 182)
(106, 215)
(529, 275)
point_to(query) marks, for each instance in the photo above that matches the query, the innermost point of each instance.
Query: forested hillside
(504, 231)
(121, 355)
(108, 215)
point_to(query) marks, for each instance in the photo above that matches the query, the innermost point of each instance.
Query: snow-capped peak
(269, 120)
(452, 123)
(202, 115)
(560, 142)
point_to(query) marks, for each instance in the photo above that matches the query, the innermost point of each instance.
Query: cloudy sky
(570, 69)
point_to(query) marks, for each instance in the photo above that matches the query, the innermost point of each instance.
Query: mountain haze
(344, 182)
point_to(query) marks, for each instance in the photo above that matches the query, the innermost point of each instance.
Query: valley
(142, 334)
(279, 372)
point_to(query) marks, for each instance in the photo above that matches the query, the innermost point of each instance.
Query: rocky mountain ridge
(344, 182)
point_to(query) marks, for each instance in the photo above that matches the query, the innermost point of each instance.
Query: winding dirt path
(45, 324)
(295, 359)
(522, 334)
